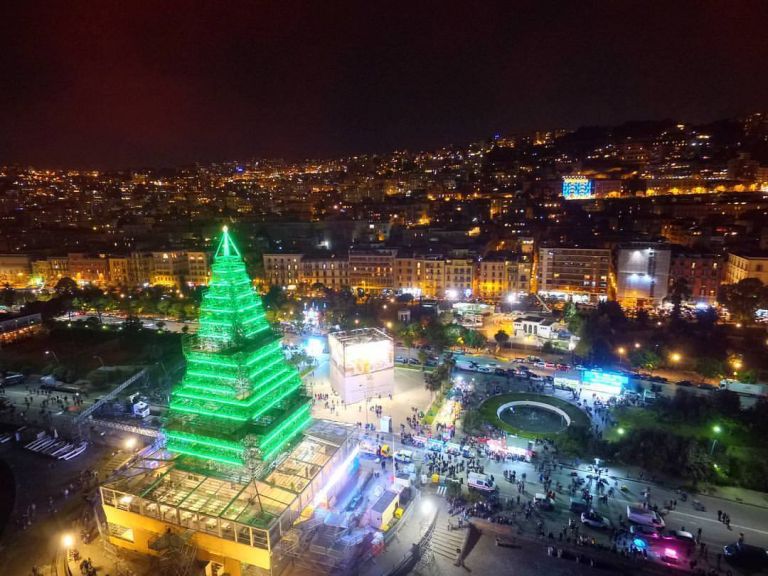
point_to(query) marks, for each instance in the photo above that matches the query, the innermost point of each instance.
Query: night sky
(133, 83)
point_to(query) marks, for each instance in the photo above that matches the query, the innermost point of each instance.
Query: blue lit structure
(610, 383)
(577, 188)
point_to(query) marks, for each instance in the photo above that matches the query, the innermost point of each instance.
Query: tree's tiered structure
(239, 402)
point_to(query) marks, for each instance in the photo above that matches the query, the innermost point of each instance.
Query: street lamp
(716, 429)
(130, 443)
(637, 345)
(675, 357)
(67, 541)
(620, 431)
(52, 353)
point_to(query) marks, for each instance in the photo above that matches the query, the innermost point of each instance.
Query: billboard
(610, 383)
(577, 188)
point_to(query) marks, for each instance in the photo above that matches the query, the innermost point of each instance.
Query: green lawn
(732, 435)
(488, 411)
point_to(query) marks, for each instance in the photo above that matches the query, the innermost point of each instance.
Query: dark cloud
(109, 84)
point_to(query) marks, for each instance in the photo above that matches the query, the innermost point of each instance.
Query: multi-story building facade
(282, 269)
(500, 275)
(580, 273)
(198, 270)
(330, 271)
(702, 272)
(741, 266)
(372, 270)
(642, 274)
(15, 270)
(168, 269)
(119, 270)
(86, 269)
(459, 277)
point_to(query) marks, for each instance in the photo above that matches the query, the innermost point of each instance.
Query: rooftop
(360, 336)
(162, 479)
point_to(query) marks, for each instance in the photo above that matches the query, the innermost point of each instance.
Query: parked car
(500, 371)
(543, 502)
(685, 383)
(595, 520)
(578, 505)
(401, 360)
(746, 556)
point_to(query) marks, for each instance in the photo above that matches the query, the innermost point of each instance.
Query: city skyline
(116, 87)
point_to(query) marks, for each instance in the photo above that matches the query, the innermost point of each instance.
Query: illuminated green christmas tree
(239, 402)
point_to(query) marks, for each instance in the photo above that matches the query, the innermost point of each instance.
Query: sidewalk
(408, 532)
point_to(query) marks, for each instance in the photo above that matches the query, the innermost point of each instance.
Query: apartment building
(579, 273)
(500, 275)
(372, 270)
(642, 274)
(87, 269)
(15, 270)
(459, 277)
(168, 269)
(282, 269)
(422, 276)
(198, 270)
(702, 272)
(741, 266)
(330, 271)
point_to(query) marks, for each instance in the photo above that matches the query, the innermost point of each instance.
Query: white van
(481, 482)
(645, 516)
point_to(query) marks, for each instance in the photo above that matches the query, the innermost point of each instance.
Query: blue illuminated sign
(577, 188)
(603, 382)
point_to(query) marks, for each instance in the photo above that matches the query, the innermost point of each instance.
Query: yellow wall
(209, 547)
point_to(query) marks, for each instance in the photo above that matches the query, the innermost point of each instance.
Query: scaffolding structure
(240, 403)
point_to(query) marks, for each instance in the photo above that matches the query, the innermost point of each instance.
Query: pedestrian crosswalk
(441, 490)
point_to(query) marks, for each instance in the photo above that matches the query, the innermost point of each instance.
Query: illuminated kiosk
(242, 458)
(362, 364)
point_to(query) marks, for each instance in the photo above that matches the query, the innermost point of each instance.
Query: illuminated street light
(130, 443)
(427, 507)
(620, 431)
(716, 429)
(52, 353)
(621, 350)
(67, 541)
(637, 345)
(675, 357)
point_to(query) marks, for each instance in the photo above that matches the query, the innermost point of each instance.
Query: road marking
(718, 522)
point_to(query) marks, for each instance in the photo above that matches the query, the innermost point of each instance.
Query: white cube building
(362, 364)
